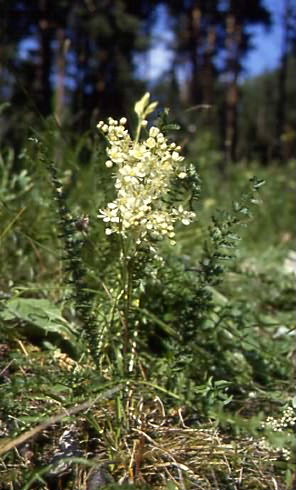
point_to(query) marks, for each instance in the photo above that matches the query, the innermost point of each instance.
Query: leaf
(257, 183)
(40, 313)
(244, 211)
(171, 486)
(4, 106)
(165, 326)
(171, 127)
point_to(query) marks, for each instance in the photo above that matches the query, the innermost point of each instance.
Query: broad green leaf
(41, 313)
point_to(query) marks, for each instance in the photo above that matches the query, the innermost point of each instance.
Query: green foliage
(258, 120)
(39, 318)
(12, 185)
(273, 225)
(214, 317)
(198, 329)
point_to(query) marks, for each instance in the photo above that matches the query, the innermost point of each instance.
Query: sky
(267, 43)
(263, 57)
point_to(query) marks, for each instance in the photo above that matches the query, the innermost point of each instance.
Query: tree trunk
(233, 46)
(282, 81)
(208, 67)
(195, 16)
(61, 73)
(43, 84)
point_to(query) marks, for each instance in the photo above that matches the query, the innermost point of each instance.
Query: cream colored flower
(145, 170)
(154, 131)
(176, 157)
(150, 142)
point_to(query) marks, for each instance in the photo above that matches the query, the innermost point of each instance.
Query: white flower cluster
(274, 452)
(288, 420)
(145, 170)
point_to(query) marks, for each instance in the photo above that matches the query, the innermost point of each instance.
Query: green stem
(138, 131)
(127, 293)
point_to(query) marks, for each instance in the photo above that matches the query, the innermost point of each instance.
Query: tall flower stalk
(142, 213)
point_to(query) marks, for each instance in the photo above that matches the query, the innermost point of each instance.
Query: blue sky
(267, 43)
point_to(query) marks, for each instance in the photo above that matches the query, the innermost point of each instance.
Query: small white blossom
(150, 142)
(145, 170)
(176, 157)
(286, 424)
(160, 138)
(153, 131)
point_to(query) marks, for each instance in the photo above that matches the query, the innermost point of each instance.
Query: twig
(12, 443)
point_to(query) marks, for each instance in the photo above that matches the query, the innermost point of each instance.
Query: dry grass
(145, 444)
(160, 447)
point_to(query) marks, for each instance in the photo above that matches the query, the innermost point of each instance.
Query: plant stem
(138, 131)
(127, 294)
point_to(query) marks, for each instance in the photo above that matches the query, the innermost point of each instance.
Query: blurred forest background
(85, 59)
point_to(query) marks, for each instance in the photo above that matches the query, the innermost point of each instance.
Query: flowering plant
(149, 177)
(145, 171)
